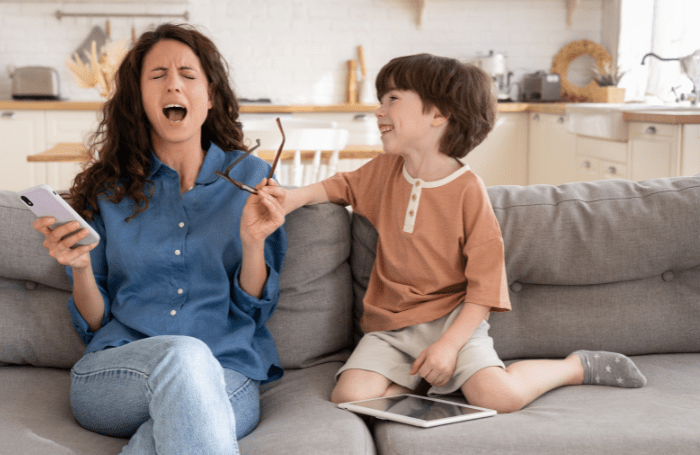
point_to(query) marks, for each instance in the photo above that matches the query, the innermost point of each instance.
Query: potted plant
(607, 79)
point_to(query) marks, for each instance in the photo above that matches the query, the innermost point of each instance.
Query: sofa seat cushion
(297, 418)
(37, 418)
(661, 417)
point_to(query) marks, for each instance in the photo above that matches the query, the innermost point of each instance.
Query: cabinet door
(21, 135)
(587, 169)
(502, 158)
(690, 151)
(551, 152)
(654, 150)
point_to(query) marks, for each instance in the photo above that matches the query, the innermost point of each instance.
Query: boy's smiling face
(405, 126)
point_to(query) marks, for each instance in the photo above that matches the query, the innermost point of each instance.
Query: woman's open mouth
(174, 112)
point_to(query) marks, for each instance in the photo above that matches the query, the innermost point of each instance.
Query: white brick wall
(295, 51)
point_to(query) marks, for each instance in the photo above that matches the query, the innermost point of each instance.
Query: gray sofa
(608, 265)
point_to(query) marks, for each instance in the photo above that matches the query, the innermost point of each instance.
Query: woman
(172, 302)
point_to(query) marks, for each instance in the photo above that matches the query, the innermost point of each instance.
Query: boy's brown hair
(462, 92)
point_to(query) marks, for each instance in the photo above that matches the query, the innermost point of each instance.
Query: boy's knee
(357, 385)
(487, 391)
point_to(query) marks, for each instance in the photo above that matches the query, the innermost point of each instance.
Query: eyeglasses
(243, 186)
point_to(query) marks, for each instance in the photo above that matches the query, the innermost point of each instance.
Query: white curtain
(668, 28)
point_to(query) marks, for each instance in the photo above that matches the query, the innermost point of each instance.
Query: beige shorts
(392, 353)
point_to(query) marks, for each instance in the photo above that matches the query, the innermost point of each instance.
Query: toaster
(541, 86)
(35, 83)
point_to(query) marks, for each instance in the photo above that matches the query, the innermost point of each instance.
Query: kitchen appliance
(496, 65)
(35, 83)
(690, 64)
(541, 86)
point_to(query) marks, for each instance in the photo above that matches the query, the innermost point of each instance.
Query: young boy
(439, 268)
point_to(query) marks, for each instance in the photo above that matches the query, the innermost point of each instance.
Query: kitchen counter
(669, 115)
(552, 108)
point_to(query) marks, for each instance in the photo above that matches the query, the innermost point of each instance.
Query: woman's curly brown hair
(120, 150)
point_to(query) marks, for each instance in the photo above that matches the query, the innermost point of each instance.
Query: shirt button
(417, 183)
(410, 213)
(181, 224)
(414, 197)
(173, 313)
(177, 252)
(180, 291)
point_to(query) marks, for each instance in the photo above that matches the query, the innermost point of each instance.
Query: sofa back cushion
(312, 324)
(35, 327)
(611, 265)
(313, 321)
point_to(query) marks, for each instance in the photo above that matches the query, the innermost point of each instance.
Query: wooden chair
(311, 149)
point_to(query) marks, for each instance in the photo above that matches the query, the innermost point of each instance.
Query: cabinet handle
(536, 117)
(586, 164)
(650, 130)
(9, 115)
(359, 117)
(561, 120)
(612, 170)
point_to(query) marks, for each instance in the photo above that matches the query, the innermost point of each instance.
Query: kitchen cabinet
(29, 132)
(690, 158)
(654, 150)
(502, 158)
(599, 159)
(21, 135)
(552, 150)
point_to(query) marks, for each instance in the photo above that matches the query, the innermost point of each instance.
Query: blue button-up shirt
(173, 269)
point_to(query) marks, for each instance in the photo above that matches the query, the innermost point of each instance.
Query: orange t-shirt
(439, 243)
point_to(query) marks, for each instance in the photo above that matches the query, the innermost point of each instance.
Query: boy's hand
(436, 364)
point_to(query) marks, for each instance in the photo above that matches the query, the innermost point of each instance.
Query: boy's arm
(294, 198)
(436, 364)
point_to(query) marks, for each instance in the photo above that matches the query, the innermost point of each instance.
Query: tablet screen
(417, 407)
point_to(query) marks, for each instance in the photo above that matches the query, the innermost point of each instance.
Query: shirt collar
(213, 161)
(436, 183)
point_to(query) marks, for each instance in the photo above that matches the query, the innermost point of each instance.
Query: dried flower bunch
(99, 72)
(607, 77)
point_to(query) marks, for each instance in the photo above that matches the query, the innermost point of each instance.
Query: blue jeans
(168, 394)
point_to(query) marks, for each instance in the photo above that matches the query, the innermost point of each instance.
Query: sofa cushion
(313, 321)
(36, 416)
(658, 418)
(611, 265)
(22, 255)
(35, 326)
(297, 417)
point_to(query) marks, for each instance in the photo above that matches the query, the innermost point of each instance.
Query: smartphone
(42, 200)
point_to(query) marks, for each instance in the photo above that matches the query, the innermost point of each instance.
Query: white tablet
(416, 410)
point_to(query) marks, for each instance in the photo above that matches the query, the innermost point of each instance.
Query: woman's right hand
(61, 250)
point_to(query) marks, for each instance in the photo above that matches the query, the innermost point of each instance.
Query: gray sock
(611, 369)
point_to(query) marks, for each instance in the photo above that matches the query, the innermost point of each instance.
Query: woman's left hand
(262, 215)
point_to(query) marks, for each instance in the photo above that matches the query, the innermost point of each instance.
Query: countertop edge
(554, 108)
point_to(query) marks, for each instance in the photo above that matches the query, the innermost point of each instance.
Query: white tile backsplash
(295, 51)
